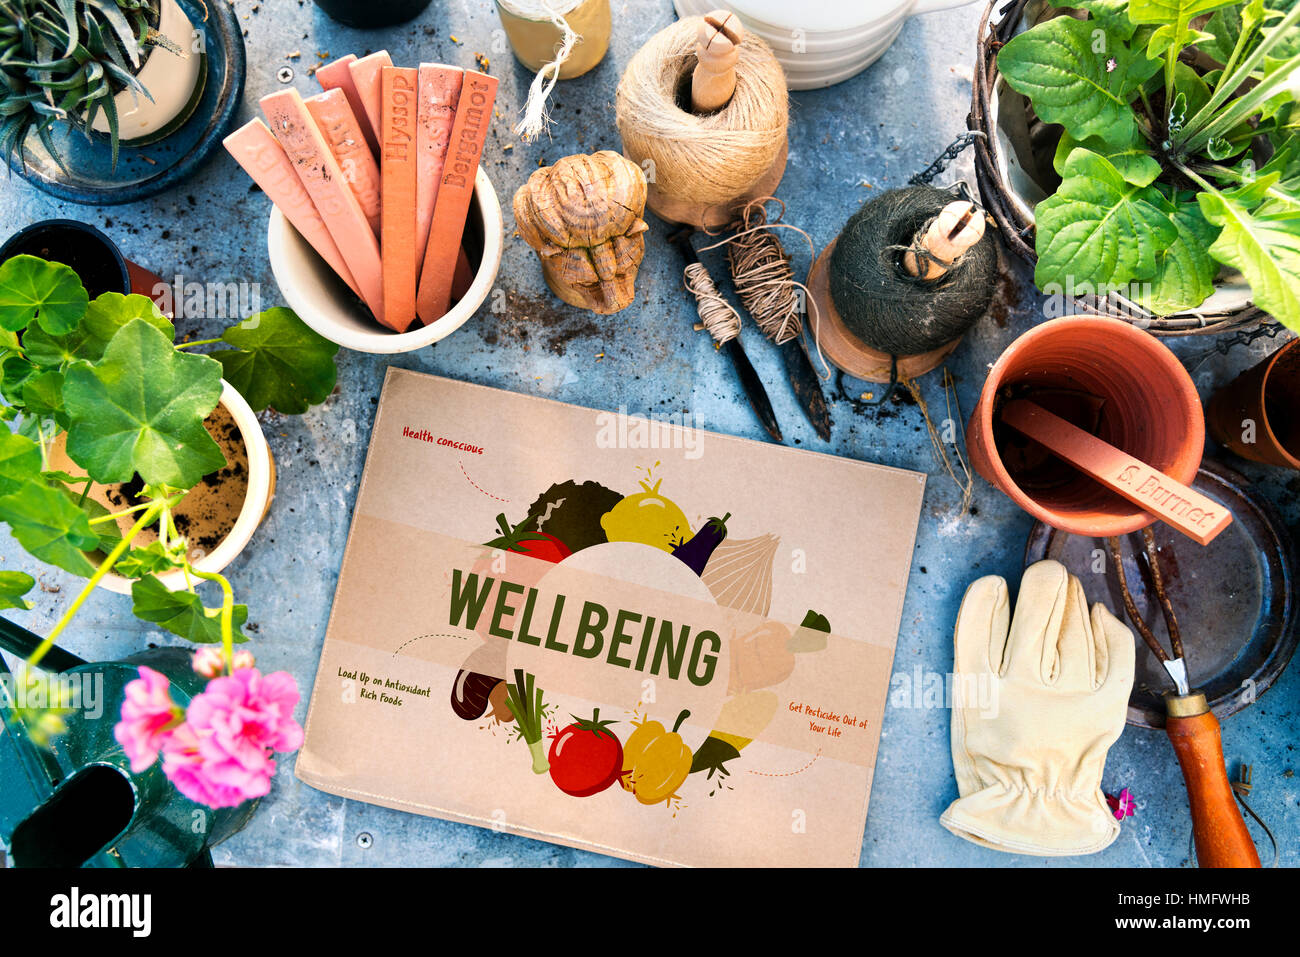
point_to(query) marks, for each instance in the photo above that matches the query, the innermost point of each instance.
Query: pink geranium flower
(148, 715)
(221, 756)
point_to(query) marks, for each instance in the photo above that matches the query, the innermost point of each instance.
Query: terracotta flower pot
(1109, 378)
(1256, 415)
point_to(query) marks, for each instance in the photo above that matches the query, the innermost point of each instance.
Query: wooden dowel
(717, 52)
(958, 227)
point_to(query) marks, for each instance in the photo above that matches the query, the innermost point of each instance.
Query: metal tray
(1235, 598)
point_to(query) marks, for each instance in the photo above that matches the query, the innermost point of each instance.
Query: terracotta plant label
(319, 171)
(367, 76)
(398, 155)
(1165, 498)
(613, 633)
(338, 124)
(468, 133)
(337, 75)
(264, 159)
(439, 94)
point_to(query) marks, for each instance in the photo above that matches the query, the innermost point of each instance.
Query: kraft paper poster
(611, 632)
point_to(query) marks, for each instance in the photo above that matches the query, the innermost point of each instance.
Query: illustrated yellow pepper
(655, 761)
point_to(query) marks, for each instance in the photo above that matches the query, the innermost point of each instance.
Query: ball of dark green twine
(885, 306)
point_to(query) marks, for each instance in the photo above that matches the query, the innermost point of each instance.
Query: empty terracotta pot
(1107, 377)
(1257, 415)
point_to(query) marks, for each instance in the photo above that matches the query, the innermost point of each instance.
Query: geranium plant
(132, 402)
(1180, 152)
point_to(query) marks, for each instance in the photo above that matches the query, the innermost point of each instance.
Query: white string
(535, 118)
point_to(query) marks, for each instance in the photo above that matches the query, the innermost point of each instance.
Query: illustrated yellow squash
(655, 761)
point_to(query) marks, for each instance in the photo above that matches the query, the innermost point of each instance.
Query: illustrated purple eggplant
(695, 554)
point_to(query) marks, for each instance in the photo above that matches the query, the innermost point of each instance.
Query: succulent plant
(65, 61)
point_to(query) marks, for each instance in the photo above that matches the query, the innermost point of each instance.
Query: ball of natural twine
(882, 304)
(706, 159)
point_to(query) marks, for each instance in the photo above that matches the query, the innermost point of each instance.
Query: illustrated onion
(739, 573)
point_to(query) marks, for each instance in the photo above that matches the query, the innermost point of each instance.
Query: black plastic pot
(372, 14)
(92, 255)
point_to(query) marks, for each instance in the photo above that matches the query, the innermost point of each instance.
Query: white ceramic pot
(261, 489)
(326, 304)
(171, 78)
(822, 42)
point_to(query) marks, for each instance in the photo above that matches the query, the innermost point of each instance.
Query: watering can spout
(84, 817)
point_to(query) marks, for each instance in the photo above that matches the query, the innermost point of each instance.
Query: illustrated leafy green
(49, 526)
(182, 612)
(1077, 79)
(50, 293)
(1099, 232)
(13, 586)
(140, 410)
(278, 362)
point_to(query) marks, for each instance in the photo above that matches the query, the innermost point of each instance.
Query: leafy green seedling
(1169, 171)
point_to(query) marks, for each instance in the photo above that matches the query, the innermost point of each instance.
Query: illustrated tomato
(586, 757)
(519, 539)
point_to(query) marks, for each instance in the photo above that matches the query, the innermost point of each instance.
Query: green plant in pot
(126, 69)
(105, 380)
(1180, 151)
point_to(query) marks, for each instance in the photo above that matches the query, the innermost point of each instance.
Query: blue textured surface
(864, 135)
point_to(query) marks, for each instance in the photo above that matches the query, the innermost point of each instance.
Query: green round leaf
(182, 612)
(20, 462)
(281, 362)
(106, 314)
(50, 293)
(140, 410)
(13, 585)
(50, 527)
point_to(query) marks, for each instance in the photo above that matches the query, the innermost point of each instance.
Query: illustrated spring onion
(525, 700)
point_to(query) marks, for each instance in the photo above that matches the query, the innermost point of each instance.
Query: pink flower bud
(242, 659)
(208, 662)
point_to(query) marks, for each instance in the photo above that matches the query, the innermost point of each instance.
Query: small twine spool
(880, 302)
(701, 160)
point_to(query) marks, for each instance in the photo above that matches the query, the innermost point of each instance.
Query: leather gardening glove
(1034, 711)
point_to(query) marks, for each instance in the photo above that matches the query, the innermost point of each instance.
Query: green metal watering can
(76, 803)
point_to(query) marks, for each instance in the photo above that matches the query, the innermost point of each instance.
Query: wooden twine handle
(1217, 826)
(958, 227)
(717, 52)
